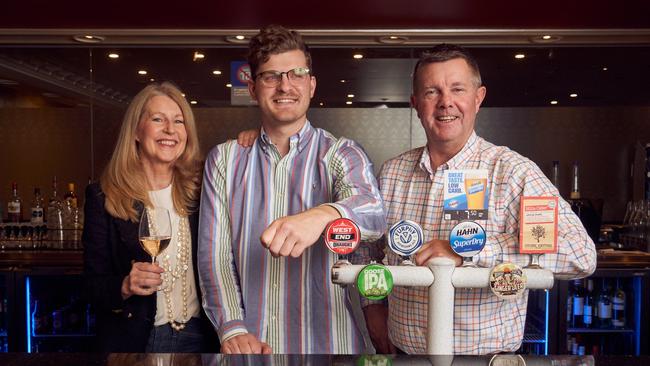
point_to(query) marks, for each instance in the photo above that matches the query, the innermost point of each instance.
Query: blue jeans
(165, 339)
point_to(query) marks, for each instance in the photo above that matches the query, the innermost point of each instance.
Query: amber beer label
(538, 218)
(342, 236)
(466, 194)
(507, 281)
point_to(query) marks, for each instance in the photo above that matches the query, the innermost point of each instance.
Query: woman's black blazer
(110, 247)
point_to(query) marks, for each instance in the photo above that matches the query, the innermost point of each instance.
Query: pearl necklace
(171, 274)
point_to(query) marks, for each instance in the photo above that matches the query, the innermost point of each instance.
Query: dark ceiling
(382, 77)
(38, 55)
(333, 14)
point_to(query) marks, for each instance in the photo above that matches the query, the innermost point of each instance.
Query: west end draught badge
(405, 238)
(342, 236)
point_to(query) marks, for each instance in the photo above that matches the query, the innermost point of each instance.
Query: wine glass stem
(153, 259)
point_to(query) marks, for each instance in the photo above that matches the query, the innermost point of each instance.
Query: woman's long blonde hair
(124, 182)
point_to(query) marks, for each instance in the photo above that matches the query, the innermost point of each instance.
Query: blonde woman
(156, 162)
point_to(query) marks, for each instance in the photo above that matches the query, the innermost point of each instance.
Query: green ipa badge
(374, 360)
(375, 282)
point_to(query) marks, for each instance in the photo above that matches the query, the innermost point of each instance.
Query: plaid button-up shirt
(482, 322)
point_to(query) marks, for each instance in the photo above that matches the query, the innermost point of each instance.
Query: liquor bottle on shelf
(14, 207)
(569, 307)
(71, 197)
(37, 207)
(38, 327)
(555, 174)
(578, 296)
(618, 306)
(582, 207)
(588, 309)
(604, 307)
(55, 215)
(3, 314)
(90, 319)
(74, 315)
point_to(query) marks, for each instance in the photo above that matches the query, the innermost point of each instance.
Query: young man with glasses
(265, 270)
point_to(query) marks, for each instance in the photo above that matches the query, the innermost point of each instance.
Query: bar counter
(73, 259)
(125, 359)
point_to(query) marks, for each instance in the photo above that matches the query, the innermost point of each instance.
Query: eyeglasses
(273, 78)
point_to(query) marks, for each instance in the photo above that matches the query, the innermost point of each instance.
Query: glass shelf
(62, 335)
(599, 330)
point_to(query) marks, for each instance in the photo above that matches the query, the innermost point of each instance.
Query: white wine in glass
(155, 231)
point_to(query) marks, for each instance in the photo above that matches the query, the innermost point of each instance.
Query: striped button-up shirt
(290, 303)
(482, 322)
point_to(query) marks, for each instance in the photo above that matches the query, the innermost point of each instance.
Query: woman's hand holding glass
(154, 234)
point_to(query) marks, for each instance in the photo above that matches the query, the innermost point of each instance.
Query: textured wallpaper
(39, 143)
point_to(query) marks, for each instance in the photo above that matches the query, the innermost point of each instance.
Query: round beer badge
(467, 238)
(374, 360)
(405, 238)
(375, 282)
(507, 360)
(342, 236)
(507, 281)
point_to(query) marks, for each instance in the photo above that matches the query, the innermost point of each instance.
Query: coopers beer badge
(507, 281)
(342, 236)
(375, 282)
(467, 238)
(405, 238)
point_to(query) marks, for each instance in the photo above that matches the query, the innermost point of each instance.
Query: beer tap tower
(442, 278)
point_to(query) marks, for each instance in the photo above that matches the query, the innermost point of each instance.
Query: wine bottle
(578, 296)
(604, 307)
(618, 306)
(588, 309)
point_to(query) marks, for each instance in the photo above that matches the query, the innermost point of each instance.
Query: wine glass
(155, 231)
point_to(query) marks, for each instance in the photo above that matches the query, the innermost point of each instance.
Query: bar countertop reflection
(151, 359)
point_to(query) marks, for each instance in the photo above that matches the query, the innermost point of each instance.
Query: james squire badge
(507, 281)
(466, 194)
(538, 225)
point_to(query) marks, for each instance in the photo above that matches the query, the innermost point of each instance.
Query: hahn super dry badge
(375, 282)
(467, 238)
(405, 238)
(342, 236)
(507, 281)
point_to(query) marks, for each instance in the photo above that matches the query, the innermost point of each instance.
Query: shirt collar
(456, 162)
(300, 139)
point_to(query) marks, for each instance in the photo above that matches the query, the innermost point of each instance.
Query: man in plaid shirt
(447, 94)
